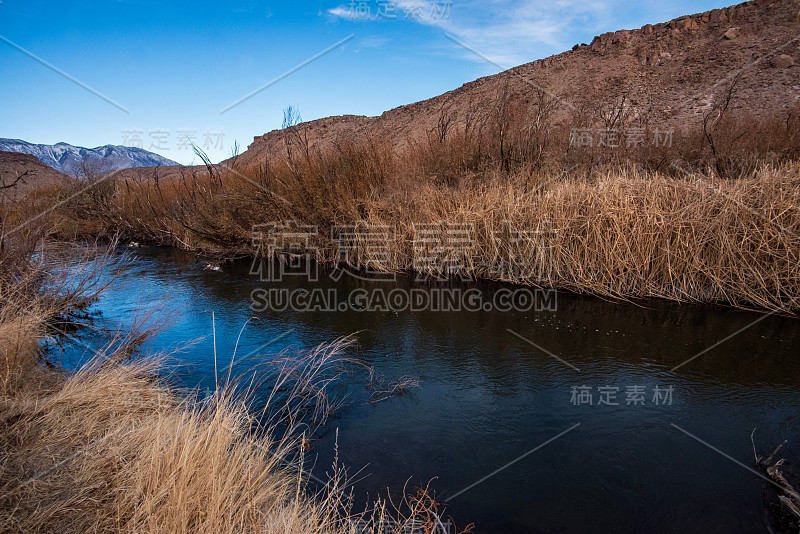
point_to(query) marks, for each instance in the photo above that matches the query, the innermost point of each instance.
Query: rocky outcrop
(714, 20)
(732, 33)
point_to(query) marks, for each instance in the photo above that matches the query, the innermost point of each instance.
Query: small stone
(732, 33)
(647, 29)
(783, 61)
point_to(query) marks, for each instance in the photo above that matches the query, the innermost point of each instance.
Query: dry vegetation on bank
(109, 448)
(713, 217)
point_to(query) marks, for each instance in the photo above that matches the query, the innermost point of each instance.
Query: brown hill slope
(668, 75)
(22, 173)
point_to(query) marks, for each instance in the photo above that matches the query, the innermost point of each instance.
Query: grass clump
(109, 447)
(110, 450)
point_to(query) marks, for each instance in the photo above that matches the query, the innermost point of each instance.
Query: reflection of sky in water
(487, 397)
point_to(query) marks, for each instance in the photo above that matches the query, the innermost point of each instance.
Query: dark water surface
(488, 398)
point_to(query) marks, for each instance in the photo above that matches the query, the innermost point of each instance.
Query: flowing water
(611, 417)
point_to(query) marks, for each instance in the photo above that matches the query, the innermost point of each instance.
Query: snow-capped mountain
(76, 160)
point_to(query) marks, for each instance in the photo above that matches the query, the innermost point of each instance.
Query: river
(581, 416)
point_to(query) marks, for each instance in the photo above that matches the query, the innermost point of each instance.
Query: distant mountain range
(72, 160)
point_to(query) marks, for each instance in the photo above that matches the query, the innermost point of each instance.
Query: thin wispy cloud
(510, 32)
(343, 12)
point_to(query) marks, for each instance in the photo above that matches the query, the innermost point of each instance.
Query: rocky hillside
(668, 74)
(77, 161)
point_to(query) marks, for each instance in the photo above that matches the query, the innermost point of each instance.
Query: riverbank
(78, 458)
(616, 234)
(111, 450)
(111, 447)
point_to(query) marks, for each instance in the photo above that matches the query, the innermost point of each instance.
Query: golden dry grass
(19, 350)
(110, 448)
(626, 234)
(112, 451)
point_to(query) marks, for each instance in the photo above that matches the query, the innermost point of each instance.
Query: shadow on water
(626, 397)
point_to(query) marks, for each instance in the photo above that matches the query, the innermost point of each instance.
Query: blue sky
(174, 66)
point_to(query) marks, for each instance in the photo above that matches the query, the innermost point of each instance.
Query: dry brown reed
(617, 233)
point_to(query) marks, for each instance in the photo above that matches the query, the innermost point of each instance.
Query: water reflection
(488, 398)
